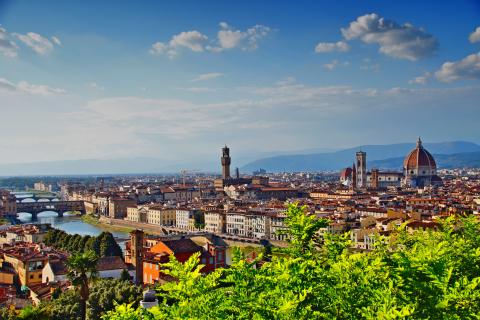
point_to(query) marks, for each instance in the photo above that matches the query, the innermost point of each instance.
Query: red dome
(419, 157)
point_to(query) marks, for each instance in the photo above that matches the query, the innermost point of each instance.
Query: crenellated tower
(226, 160)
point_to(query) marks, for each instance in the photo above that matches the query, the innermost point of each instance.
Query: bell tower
(226, 160)
(136, 242)
(361, 169)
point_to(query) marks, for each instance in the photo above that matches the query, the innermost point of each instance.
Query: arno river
(69, 223)
(73, 224)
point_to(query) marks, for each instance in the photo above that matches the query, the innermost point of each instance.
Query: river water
(73, 224)
(69, 223)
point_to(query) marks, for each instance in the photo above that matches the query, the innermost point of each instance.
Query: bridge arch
(60, 207)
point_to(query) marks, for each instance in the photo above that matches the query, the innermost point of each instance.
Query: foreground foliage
(419, 275)
(105, 294)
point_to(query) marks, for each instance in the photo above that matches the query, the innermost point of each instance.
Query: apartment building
(215, 221)
(161, 216)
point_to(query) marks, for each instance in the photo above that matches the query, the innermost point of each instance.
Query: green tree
(106, 293)
(125, 276)
(108, 245)
(81, 269)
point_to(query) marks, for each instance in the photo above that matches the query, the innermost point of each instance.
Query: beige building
(161, 216)
(277, 226)
(215, 221)
(257, 225)
(235, 224)
(137, 214)
(117, 207)
(40, 186)
(185, 219)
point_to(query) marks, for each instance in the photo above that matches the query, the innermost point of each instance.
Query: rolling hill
(343, 158)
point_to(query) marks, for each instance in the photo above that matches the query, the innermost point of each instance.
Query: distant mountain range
(447, 155)
(85, 167)
(451, 155)
(446, 161)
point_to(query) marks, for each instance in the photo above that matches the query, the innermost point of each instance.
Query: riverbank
(90, 219)
(158, 230)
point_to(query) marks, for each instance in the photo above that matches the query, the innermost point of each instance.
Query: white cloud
(192, 130)
(369, 66)
(340, 46)
(56, 41)
(286, 81)
(475, 35)
(331, 65)
(467, 68)
(421, 79)
(96, 86)
(228, 38)
(334, 64)
(7, 47)
(207, 76)
(25, 87)
(191, 40)
(36, 42)
(399, 41)
(198, 89)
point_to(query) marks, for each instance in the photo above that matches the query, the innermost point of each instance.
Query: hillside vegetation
(410, 275)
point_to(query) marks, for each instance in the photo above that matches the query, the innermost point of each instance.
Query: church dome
(419, 157)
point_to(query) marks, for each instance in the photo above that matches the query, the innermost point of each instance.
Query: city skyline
(174, 81)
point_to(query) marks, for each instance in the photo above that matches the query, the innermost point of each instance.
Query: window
(211, 260)
(31, 276)
(35, 265)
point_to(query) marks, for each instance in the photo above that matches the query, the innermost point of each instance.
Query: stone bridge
(37, 198)
(60, 207)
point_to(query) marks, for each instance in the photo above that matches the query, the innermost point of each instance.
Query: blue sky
(177, 80)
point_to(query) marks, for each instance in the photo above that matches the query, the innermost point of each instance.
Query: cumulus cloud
(420, 79)
(466, 69)
(227, 39)
(395, 40)
(7, 47)
(25, 87)
(36, 42)
(475, 35)
(190, 40)
(340, 46)
(207, 76)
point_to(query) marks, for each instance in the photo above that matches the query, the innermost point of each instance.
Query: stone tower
(226, 160)
(361, 169)
(136, 238)
(374, 181)
(354, 177)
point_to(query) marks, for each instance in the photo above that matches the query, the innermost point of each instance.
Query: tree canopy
(103, 245)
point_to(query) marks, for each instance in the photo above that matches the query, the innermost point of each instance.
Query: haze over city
(176, 81)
